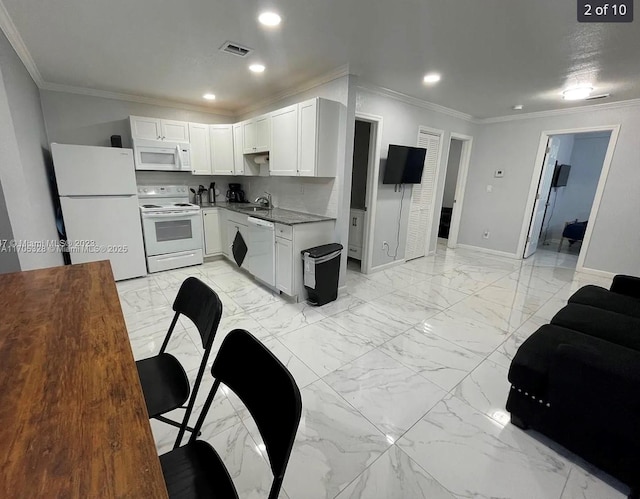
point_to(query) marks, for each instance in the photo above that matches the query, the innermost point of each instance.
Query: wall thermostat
(499, 174)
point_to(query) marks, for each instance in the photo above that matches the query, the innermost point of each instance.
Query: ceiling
(492, 54)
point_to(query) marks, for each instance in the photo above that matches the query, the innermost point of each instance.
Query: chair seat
(164, 383)
(195, 470)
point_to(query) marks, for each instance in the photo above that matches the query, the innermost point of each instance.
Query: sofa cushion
(598, 297)
(617, 328)
(530, 367)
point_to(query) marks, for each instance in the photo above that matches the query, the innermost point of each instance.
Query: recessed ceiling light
(432, 78)
(209, 97)
(518, 107)
(257, 68)
(269, 19)
(577, 93)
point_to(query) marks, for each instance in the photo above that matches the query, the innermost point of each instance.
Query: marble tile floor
(403, 378)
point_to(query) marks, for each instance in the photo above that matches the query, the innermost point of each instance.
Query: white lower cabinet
(211, 231)
(356, 234)
(284, 265)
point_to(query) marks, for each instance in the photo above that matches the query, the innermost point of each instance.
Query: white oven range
(172, 227)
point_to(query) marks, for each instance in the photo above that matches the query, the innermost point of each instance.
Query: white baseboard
(504, 254)
(386, 266)
(596, 272)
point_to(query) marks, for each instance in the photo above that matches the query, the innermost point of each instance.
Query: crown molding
(414, 101)
(16, 41)
(559, 112)
(339, 72)
(70, 89)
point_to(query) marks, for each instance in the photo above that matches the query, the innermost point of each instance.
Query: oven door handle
(175, 214)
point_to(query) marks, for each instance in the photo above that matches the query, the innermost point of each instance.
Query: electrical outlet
(485, 234)
(385, 245)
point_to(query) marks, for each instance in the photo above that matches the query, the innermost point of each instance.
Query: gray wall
(453, 166)
(8, 260)
(513, 145)
(360, 164)
(91, 121)
(400, 126)
(576, 198)
(26, 166)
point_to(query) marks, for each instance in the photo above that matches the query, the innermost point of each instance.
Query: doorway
(454, 186)
(568, 183)
(366, 160)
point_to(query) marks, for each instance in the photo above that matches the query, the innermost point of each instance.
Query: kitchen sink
(254, 208)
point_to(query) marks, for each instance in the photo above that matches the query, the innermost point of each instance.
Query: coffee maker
(235, 194)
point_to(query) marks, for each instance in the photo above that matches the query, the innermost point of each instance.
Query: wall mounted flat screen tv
(404, 165)
(560, 175)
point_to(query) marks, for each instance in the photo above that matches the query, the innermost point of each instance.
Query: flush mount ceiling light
(209, 97)
(432, 78)
(269, 19)
(257, 68)
(577, 93)
(518, 107)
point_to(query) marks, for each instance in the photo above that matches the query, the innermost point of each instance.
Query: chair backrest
(267, 389)
(202, 305)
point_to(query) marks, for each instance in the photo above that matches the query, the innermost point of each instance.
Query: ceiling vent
(601, 96)
(235, 49)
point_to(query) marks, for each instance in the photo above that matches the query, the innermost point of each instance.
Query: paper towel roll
(263, 159)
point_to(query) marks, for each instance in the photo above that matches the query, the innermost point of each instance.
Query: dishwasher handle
(260, 222)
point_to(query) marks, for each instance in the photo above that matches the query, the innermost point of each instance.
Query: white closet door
(422, 195)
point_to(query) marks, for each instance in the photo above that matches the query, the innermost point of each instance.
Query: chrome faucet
(264, 200)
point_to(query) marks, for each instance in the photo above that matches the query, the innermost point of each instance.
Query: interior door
(542, 196)
(422, 198)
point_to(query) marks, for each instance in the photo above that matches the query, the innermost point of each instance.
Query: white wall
(512, 145)
(576, 198)
(400, 126)
(25, 165)
(8, 260)
(453, 166)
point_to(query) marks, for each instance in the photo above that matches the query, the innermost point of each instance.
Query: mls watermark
(57, 246)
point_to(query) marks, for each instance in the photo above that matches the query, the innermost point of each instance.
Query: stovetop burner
(182, 204)
(150, 206)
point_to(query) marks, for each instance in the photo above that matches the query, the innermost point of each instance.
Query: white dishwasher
(261, 250)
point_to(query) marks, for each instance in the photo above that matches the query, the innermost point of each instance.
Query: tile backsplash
(318, 196)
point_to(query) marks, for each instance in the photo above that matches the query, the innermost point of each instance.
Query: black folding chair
(272, 396)
(164, 380)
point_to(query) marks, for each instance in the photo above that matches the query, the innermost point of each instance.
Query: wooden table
(73, 421)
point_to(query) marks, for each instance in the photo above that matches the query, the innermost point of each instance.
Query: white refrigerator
(98, 196)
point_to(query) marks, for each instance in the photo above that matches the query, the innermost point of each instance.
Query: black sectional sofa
(577, 380)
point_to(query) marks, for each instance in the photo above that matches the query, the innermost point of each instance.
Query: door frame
(371, 196)
(535, 181)
(461, 185)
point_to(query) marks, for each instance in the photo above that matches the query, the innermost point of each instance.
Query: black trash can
(321, 267)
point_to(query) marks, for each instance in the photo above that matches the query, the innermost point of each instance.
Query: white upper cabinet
(222, 158)
(238, 156)
(200, 149)
(263, 133)
(175, 131)
(318, 123)
(145, 128)
(283, 157)
(256, 135)
(157, 129)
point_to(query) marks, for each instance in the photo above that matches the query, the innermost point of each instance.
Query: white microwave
(161, 155)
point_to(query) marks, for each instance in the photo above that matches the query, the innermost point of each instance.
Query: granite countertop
(277, 215)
